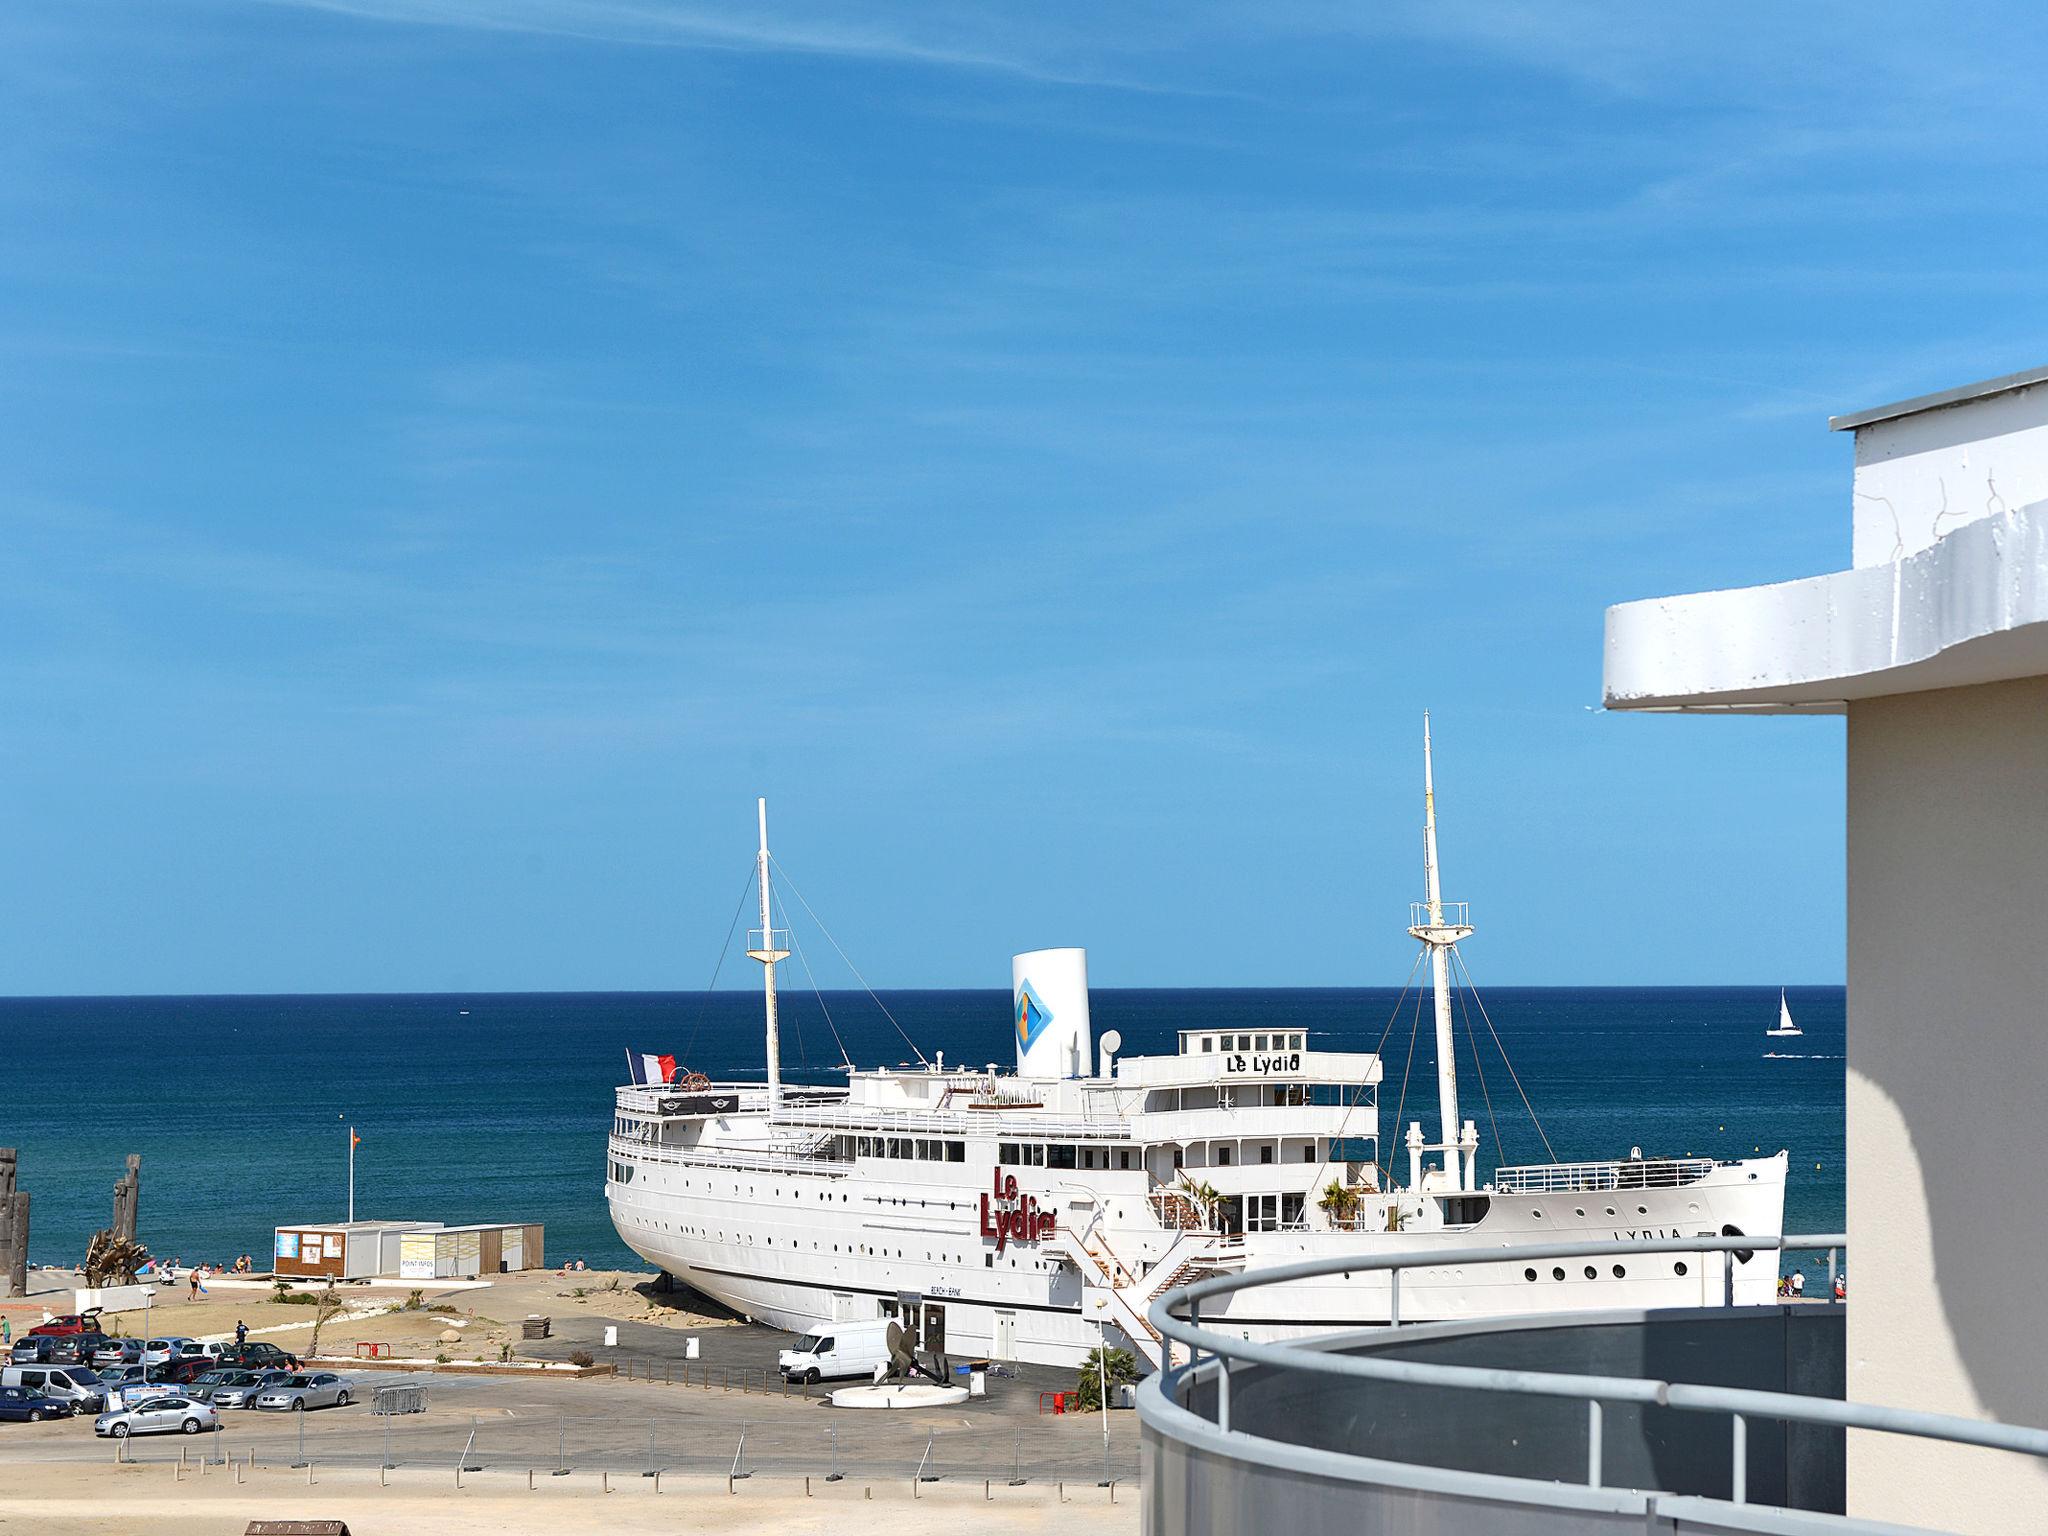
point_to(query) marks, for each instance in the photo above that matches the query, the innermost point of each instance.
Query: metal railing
(1020, 1122)
(1213, 1354)
(1456, 914)
(743, 1162)
(1602, 1177)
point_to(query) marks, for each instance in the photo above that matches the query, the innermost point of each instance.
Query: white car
(163, 1351)
(163, 1415)
(313, 1389)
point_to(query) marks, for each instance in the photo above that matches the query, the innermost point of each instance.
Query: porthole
(1679, 1268)
(1642, 1210)
(1611, 1211)
(1528, 1274)
(1620, 1273)
(1537, 1214)
(1557, 1273)
(1592, 1273)
(1579, 1210)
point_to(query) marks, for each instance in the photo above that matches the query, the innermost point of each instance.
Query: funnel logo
(1032, 1017)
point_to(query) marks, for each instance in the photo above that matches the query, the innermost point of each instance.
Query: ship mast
(767, 947)
(1430, 925)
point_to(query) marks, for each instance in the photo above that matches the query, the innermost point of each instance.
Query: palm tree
(1340, 1203)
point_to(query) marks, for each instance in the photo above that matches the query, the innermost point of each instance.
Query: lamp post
(1102, 1381)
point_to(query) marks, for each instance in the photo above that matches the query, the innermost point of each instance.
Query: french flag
(650, 1069)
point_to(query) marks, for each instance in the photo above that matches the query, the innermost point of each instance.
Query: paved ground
(510, 1424)
(103, 1500)
(737, 1351)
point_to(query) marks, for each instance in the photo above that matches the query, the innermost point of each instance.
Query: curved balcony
(1722, 1419)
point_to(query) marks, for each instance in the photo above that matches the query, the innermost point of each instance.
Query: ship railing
(1020, 1124)
(645, 1098)
(722, 1157)
(1167, 1396)
(1596, 1178)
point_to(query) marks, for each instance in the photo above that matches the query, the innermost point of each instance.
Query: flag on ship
(647, 1068)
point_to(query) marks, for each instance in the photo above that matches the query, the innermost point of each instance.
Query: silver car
(319, 1389)
(236, 1388)
(157, 1416)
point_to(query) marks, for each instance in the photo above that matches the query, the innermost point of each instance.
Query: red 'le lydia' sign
(1006, 1215)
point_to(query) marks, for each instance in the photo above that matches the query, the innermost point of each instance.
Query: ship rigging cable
(1474, 986)
(1500, 1153)
(777, 863)
(724, 949)
(797, 944)
(1358, 1093)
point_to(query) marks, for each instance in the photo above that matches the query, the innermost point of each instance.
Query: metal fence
(872, 1446)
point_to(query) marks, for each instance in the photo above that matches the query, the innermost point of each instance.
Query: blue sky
(455, 453)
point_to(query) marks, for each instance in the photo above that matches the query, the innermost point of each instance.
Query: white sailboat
(1786, 1027)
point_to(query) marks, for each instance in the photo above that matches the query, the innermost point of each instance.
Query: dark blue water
(495, 1107)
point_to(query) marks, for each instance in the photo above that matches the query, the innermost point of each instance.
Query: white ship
(1026, 1212)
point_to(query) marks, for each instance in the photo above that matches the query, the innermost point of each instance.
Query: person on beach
(1798, 1283)
(241, 1333)
(194, 1278)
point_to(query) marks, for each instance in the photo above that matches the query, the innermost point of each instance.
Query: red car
(69, 1323)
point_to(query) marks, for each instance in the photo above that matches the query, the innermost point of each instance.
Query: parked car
(78, 1348)
(73, 1384)
(234, 1388)
(19, 1403)
(156, 1416)
(118, 1352)
(87, 1321)
(33, 1349)
(212, 1349)
(157, 1351)
(124, 1385)
(321, 1389)
(258, 1357)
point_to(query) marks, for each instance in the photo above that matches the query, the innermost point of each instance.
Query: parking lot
(648, 1421)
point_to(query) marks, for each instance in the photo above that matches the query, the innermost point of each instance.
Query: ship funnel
(1049, 1007)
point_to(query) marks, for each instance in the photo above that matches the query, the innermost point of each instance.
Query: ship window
(1308, 1152)
(1208, 1044)
(1034, 1156)
(956, 1152)
(1557, 1274)
(1292, 1210)
(1006, 1152)
(1265, 1152)
(1244, 1042)
(1528, 1274)
(1176, 1158)
(1261, 1043)
(1620, 1273)
(1679, 1268)
(1223, 1157)
(1592, 1273)
(1294, 1042)
(1059, 1157)
(1123, 1157)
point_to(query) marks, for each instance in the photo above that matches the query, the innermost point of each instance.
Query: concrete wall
(1973, 460)
(1948, 1062)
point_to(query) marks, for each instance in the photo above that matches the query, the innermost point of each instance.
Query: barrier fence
(874, 1447)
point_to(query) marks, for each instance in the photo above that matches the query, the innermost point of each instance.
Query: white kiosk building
(1935, 645)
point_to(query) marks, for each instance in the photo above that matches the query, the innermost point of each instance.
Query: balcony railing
(1169, 1401)
(1597, 1178)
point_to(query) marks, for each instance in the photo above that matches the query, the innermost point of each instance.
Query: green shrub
(1120, 1365)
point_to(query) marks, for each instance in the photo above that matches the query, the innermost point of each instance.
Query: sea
(495, 1106)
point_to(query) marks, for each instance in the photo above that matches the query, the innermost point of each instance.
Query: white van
(77, 1385)
(837, 1351)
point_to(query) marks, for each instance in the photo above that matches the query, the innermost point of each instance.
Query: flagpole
(351, 1174)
